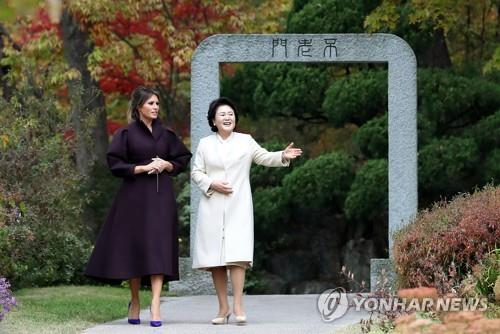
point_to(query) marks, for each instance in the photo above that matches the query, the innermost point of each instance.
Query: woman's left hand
(290, 152)
(162, 165)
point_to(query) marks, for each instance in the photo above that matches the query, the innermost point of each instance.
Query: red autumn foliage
(196, 17)
(443, 244)
(183, 15)
(37, 25)
(124, 26)
(112, 126)
(115, 80)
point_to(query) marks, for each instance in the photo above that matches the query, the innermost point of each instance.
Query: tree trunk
(88, 115)
(437, 54)
(4, 85)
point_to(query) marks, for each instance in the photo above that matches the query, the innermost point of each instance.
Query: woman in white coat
(224, 231)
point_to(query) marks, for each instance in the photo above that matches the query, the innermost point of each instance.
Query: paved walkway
(291, 314)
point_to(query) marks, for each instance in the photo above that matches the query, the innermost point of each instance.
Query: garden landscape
(67, 69)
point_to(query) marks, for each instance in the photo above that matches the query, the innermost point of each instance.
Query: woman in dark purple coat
(139, 237)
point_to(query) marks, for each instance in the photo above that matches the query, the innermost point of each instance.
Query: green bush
(441, 246)
(42, 257)
(491, 167)
(446, 164)
(263, 177)
(368, 196)
(290, 90)
(323, 181)
(42, 240)
(271, 212)
(330, 16)
(240, 87)
(486, 132)
(487, 273)
(356, 98)
(452, 102)
(279, 90)
(372, 138)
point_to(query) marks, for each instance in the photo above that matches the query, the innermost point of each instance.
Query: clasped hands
(158, 165)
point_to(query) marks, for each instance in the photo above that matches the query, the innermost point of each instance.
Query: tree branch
(4, 32)
(126, 41)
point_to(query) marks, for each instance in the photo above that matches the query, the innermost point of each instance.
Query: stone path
(291, 314)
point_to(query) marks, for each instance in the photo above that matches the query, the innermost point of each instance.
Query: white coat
(224, 230)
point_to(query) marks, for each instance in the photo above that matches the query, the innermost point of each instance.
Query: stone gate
(331, 48)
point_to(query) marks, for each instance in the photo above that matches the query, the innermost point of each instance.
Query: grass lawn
(67, 309)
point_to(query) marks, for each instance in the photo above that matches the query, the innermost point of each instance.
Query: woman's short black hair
(137, 99)
(214, 105)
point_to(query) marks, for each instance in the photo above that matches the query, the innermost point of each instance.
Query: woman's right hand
(153, 167)
(222, 187)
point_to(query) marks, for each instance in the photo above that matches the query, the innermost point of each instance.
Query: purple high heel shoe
(154, 323)
(133, 321)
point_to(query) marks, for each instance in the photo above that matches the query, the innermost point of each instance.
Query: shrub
(445, 165)
(491, 168)
(487, 273)
(452, 102)
(42, 257)
(290, 91)
(356, 98)
(330, 16)
(486, 132)
(368, 196)
(372, 138)
(42, 239)
(319, 182)
(270, 212)
(261, 176)
(442, 245)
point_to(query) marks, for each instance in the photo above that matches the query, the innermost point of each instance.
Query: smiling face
(149, 110)
(225, 119)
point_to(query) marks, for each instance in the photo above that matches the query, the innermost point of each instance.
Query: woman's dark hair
(138, 97)
(221, 101)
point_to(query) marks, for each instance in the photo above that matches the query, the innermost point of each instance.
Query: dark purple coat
(139, 237)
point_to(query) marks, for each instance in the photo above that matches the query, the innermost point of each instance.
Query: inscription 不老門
(325, 47)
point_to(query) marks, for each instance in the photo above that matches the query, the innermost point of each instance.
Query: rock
(192, 282)
(326, 246)
(293, 266)
(272, 284)
(357, 254)
(310, 287)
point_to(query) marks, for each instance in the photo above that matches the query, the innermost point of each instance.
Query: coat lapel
(223, 149)
(157, 129)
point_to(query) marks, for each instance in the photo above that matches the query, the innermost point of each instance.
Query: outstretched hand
(290, 152)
